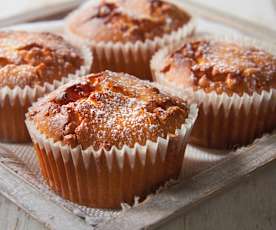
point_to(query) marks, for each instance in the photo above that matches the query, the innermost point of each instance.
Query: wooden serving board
(217, 189)
(14, 11)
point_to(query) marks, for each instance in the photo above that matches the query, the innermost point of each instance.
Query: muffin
(32, 64)
(108, 137)
(125, 34)
(232, 80)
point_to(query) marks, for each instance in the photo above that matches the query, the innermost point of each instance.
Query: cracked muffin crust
(221, 66)
(31, 58)
(233, 82)
(108, 109)
(128, 21)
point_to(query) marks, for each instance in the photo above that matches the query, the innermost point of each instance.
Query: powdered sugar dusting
(224, 66)
(28, 58)
(111, 109)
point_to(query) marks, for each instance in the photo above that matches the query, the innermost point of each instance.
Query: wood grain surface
(249, 205)
(181, 198)
(260, 12)
(247, 27)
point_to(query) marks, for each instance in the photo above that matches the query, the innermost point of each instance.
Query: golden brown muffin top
(29, 59)
(127, 20)
(221, 66)
(108, 109)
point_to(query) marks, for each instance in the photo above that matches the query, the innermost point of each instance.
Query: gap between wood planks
(180, 198)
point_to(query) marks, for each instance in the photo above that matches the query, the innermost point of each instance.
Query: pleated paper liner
(14, 102)
(21, 160)
(225, 121)
(105, 179)
(132, 58)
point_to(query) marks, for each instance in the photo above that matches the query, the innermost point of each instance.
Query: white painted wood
(255, 30)
(13, 217)
(34, 204)
(251, 205)
(179, 199)
(261, 12)
(19, 11)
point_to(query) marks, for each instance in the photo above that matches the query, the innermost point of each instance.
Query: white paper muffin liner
(106, 178)
(225, 121)
(14, 102)
(132, 58)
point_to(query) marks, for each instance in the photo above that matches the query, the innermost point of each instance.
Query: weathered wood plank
(178, 199)
(250, 205)
(13, 217)
(35, 204)
(226, 19)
